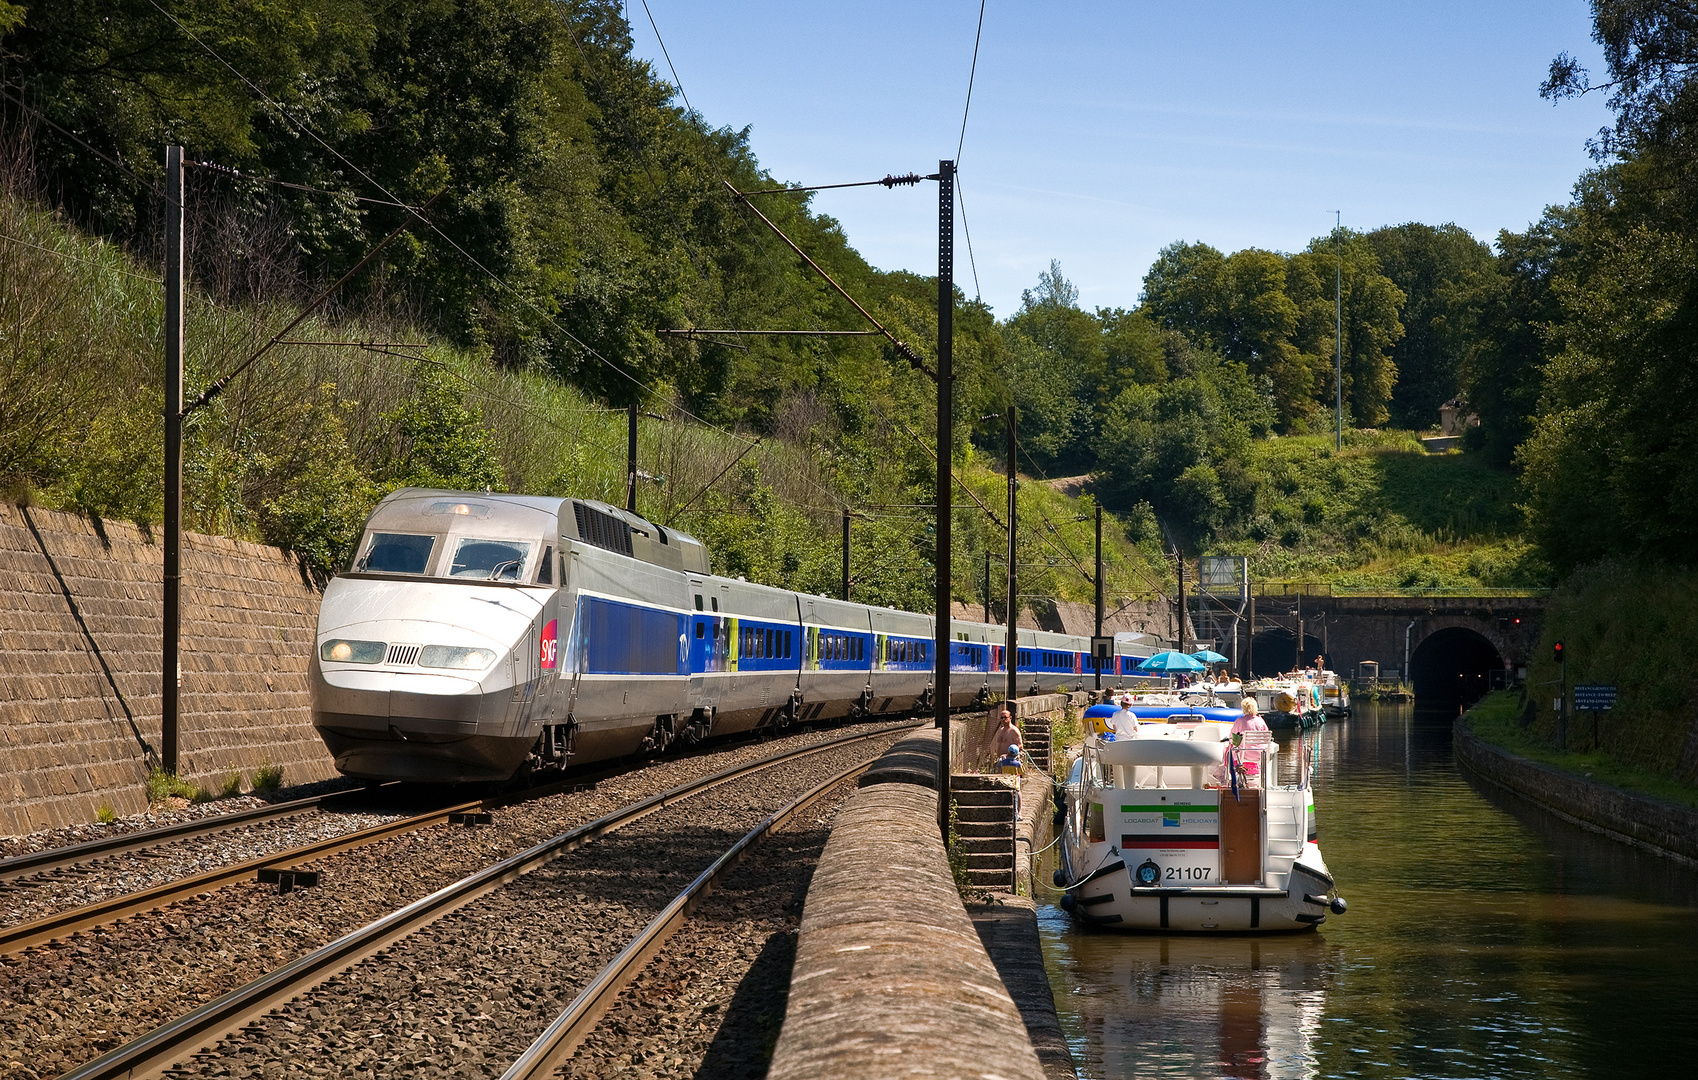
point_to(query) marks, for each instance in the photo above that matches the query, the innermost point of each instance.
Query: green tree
(1448, 279)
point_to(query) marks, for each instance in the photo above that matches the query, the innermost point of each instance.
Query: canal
(1484, 939)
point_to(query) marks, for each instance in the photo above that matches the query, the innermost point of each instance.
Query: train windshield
(494, 560)
(396, 553)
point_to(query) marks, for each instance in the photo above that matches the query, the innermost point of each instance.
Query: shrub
(268, 779)
(232, 786)
(105, 815)
(162, 785)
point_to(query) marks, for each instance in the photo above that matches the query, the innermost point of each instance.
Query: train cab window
(698, 601)
(714, 600)
(701, 630)
(492, 560)
(396, 553)
(545, 568)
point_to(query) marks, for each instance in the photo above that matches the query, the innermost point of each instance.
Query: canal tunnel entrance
(1453, 666)
(1274, 651)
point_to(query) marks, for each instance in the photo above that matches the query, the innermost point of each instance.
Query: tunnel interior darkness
(1452, 667)
(1275, 651)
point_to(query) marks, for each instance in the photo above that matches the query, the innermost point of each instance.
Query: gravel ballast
(63, 1004)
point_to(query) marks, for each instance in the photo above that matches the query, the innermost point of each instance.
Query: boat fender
(1060, 878)
(1069, 901)
(1147, 874)
(1339, 907)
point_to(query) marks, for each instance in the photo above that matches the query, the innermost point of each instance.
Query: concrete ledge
(910, 760)
(1009, 931)
(890, 979)
(1656, 826)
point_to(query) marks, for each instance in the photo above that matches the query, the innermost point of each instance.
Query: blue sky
(1101, 132)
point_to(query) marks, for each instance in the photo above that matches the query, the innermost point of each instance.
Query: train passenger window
(787, 644)
(396, 553)
(545, 569)
(766, 645)
(701, 630)
(493, 560)
(860, 649)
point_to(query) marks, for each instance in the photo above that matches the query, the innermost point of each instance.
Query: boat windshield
(396, 553)
(493, 560)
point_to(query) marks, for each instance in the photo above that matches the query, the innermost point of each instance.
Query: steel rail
(153, 1053)
(58, 858)
(557, 1043)
(63, 924)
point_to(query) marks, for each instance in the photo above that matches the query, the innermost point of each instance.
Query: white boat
(1177, 829)
(1289, 701)
(1224, 694)
(1335, 694)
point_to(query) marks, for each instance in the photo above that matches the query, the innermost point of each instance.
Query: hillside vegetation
(301, 446)
(578, 212)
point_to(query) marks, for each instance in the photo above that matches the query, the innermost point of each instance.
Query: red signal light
(1558, 651)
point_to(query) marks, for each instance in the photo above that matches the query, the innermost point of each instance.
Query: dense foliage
(580, 212)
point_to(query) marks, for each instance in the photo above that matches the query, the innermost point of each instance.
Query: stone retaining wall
(80, 617)
(970, 749)
(1652, 824)
(890, 978)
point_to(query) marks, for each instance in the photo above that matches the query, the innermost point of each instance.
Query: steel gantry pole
(1011, 654)
(1096, 661)
(945, 455)
(631, 458)
(845, 553)
(170, 669)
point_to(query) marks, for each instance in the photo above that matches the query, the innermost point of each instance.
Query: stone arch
(1452, 665)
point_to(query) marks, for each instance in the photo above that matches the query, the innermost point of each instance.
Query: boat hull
(1108, 899)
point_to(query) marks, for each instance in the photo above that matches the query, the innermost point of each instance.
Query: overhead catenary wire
(960, 195)
(78, 259)
(527, 301)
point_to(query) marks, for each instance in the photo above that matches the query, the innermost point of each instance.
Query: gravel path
(63, 1004)
(465, 996)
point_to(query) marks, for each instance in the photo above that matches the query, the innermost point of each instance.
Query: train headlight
(353, 652)
(449, 656)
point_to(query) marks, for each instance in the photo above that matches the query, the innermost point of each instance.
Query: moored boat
(1184, 828)
(1288, 702)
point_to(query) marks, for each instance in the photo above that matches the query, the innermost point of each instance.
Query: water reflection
(1485, 939)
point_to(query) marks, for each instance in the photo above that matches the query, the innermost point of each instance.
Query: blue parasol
(1209, 656)
(1171, 661)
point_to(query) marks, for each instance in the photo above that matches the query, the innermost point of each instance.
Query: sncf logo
(550, 645)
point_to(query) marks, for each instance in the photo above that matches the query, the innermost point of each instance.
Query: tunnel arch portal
(1453, 666)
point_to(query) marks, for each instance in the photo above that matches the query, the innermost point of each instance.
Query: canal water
(1484, 939)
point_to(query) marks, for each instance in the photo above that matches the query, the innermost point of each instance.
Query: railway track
(225, 1018)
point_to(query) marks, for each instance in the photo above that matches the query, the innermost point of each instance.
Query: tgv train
(475, 633)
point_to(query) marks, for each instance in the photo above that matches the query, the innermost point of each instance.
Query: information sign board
(1594, 698)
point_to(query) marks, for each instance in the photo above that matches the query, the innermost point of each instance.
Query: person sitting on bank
(1006, 734)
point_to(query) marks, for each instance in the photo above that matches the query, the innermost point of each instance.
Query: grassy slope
(1497, 719)
(1383, 513)
(302, 444)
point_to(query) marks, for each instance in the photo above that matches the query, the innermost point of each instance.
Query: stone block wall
(80, 620)
(970, 749)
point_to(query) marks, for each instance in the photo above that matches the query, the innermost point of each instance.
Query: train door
(706, 655)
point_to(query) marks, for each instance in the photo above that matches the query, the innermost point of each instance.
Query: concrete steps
(1035, 738)
(984, 821)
